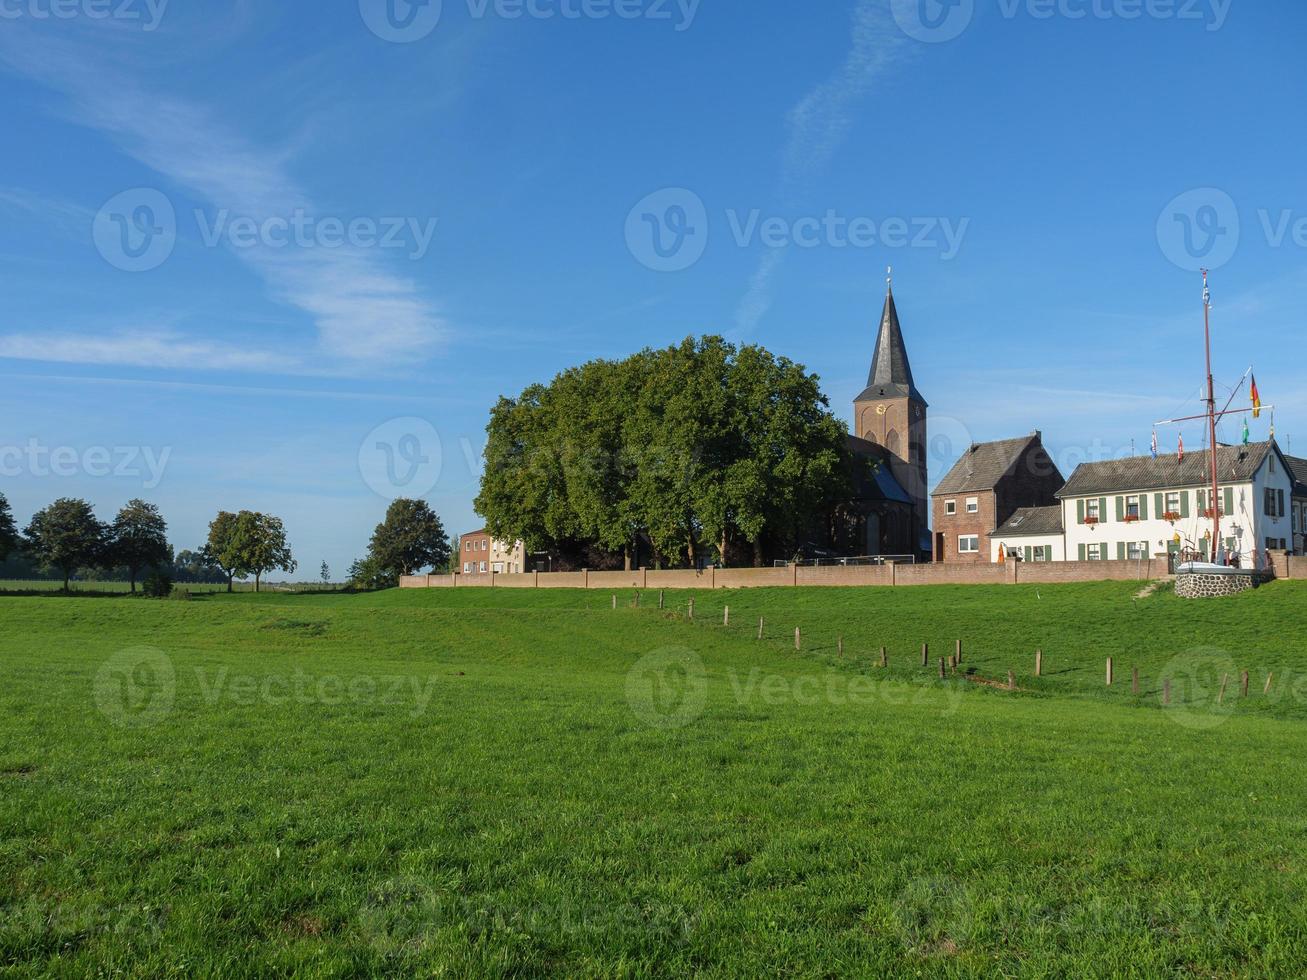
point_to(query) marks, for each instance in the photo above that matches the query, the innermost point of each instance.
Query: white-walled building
(1141, 507)
(1136, 508)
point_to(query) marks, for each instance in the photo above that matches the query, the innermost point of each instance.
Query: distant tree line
(702, 451)
(66, 538)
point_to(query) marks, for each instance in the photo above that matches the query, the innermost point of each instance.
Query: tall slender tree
(137, 539)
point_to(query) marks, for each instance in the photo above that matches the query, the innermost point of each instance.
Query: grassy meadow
(495, 783)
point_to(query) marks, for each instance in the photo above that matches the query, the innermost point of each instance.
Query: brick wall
(952, 527)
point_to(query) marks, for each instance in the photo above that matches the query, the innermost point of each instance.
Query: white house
(1141, 507)
(1031, 534)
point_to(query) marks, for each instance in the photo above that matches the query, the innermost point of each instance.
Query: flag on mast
(1246, 434)
(1182, 447)
(1154, 444)
(1257, 399)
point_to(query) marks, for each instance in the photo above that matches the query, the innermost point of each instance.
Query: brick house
(480, 554)
(984, 489)
(1299, 468)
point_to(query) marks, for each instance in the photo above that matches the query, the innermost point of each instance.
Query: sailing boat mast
(1211, 419)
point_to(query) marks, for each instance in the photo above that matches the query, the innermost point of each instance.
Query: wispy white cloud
(364, 312)
(161, 349)
(819, 124)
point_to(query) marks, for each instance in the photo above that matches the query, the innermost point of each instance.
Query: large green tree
(65, 536)
(409, 539)
(9, 539)
(705, 449)
(137, 539)
(261, 546)
(222, 549)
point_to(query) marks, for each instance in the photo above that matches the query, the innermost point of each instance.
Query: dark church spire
(891, 372)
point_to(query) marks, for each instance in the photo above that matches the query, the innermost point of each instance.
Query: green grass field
(480, 782)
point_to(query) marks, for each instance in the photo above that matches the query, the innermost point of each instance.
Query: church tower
(892, 414)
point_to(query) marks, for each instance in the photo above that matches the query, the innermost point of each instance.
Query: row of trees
(67, 536)
(699, 448)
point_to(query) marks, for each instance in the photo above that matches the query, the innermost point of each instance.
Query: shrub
(157, 586)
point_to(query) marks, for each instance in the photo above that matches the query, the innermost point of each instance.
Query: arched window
(892, 441)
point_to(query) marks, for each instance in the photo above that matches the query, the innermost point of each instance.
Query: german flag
(1257, 400)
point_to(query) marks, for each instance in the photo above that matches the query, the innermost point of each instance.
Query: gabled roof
(874, 482)
(891, 373)
(1235, 464)
(1299, 468)
(984, 465)
(1031, 521)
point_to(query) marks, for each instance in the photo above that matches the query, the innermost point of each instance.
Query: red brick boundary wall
(1012, 573)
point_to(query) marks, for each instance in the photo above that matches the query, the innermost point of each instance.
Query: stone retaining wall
(1213, 585)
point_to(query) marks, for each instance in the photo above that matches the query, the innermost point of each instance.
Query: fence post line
(726, 616)
(661, 596)
(1134, 685)
(1039, 663)
(1166, 691)
(614, 602)
(925, 654)
(958, 658)
(1244, 681)
(1220, 698)
(798, 638)
(1011, 681)
(884, 657)
(760, 627)
(1110, 674)
(942, 674)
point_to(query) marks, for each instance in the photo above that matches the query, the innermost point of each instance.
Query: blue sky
(285, 257)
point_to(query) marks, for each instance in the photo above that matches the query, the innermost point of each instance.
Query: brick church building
(890, 512)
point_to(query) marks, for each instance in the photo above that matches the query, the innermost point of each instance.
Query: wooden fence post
(1134, 682)
(692, 609)
(884, 657)
(614, 602)
(661, 596)
(841, 646)
(1220, 698)
(925, 654)
(1166, 691)
(726, 616)
(798, 638)
(1039, 663)
(1011, 681)
(1110, 675)
(1244, 681)
(760, 627)
(958, 658)
(942, 673)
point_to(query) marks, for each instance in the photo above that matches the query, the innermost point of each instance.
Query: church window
(892, 442)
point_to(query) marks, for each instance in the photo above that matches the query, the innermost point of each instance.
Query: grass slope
(517, 783)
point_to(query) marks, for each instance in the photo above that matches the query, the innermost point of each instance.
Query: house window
(1094, 552)
(1173, 503)
(1091, 509)
(1040, 553)
(483, 568)
(467, 567)
(969, 544)
(950, 507)
(1136, 550)
(1132, 507)
(467, 545)
(973, 505)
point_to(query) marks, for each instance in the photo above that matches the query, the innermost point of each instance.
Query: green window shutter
(1080, 512)
(1102, 509)
(1202, 502)
(1029, 555)
(1184, 503)
(1120, 551)
(1229, 500)
(1229, 546)
(1159, 504)
(1143, 507)
(1105, 553)
(1083, 552)
(1120, 508)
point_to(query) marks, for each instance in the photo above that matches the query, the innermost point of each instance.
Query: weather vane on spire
(889, 276)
